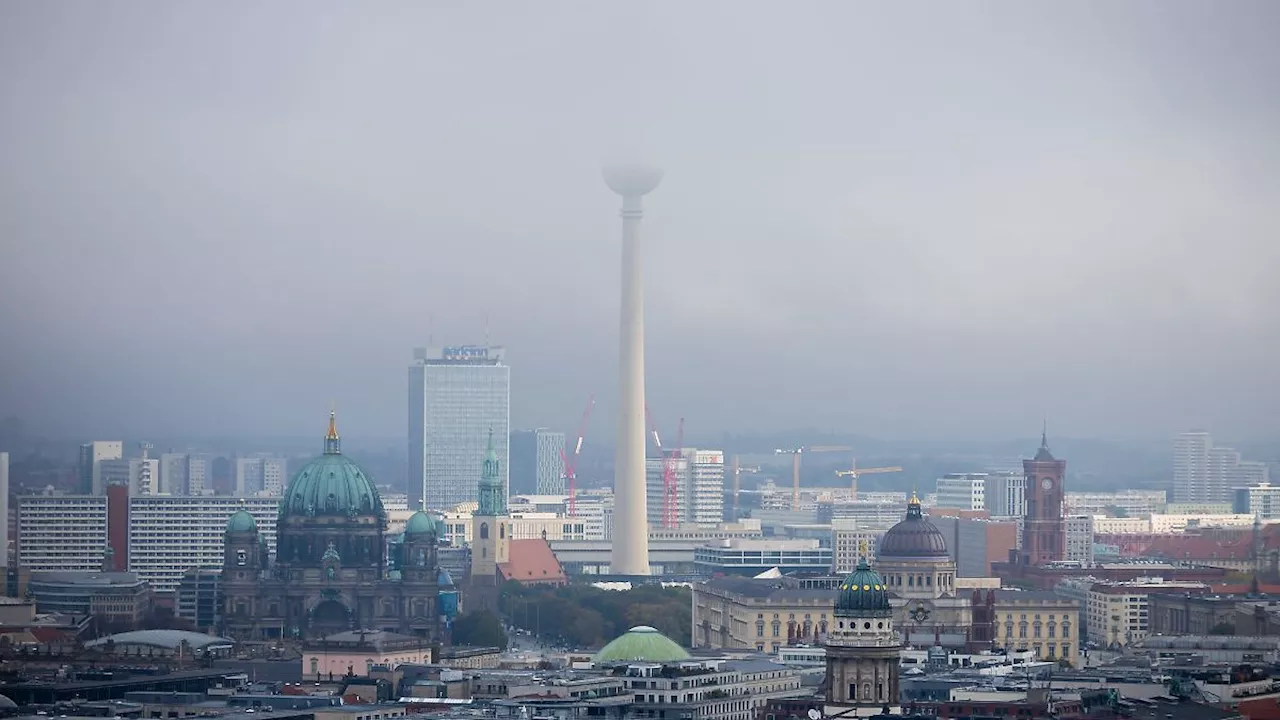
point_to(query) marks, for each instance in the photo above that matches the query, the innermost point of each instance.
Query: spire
(490, 469)
(1043, 454)
(332, 444)
(492, 494)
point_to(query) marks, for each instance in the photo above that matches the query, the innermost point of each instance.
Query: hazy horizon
(904, 220)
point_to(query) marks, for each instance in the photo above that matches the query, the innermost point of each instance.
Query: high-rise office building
(537, 462)
(199, 473)
(1205, 473)
(963, 491)
(1006, 494)
(4, 516)
(698, 483)
(173, 473)
(261, 476)
(457, 395)
(91, 457)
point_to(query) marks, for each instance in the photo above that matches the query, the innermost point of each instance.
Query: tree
(479, 629)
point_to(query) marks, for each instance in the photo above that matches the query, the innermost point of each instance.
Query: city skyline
(934, 254)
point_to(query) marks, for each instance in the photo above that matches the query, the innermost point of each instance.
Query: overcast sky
(902, 220)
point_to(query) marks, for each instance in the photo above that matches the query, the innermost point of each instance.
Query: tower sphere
(632, 180)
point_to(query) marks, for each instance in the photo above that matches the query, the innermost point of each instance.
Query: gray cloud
(905, 219)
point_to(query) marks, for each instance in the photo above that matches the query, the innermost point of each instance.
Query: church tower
(490, 526)
(862, 645)
(1044, 533)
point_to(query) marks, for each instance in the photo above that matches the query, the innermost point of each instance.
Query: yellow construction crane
(853, 472)
(795, 454)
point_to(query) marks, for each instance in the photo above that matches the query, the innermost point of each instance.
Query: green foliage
(582, 616)
(479, 629)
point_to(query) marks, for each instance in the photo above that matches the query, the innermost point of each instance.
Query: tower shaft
(631, 536)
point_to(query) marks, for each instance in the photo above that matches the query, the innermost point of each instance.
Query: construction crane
(570, 460)
(854, 472)
(670, 463)
(795, 454)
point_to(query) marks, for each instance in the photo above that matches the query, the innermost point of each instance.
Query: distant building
(698, 478)
(457, 395)
(1006, 494)
(963, 491)
(1043, 531)
(1261, 501)
(1203, 472)
(537, 462)
(173, 473)
(199, 474)
(261, 475)
(199, 598)
(751, 557)
(1126, 503)
(90, 469)
(118, 597)
(61, 532)
(1080, 539)
(4, 518)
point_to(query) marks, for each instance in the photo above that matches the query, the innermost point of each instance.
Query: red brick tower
(1043, 530)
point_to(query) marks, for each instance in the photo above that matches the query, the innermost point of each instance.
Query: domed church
(862, 646)
(331, 571)
(913, 560)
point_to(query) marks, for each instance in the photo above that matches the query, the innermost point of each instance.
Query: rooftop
(87, 579)
(167, 639)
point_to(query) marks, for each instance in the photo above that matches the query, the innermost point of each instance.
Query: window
(484, 531)
(315, 666)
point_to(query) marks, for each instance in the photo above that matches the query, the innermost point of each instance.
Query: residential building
(1261, 501)
(964, 491)
(1006, 494)
(1080, 539)
(199, 598)
(199, 474)
(170, 535)
(261, 475)
(457, 395)
(120, 597)
(1122, 503)
(173, 473)
(740, 556)
(1204, 472)
(91, 455)
(61, 532)
(1037, 620)
(537, 462)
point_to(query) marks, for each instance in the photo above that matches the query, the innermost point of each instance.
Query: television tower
(630, 519)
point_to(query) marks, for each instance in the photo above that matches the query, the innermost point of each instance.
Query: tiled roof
(1201, 547)
(532, 561)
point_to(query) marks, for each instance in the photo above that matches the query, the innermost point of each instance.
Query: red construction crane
(571, 460)
(670, 463)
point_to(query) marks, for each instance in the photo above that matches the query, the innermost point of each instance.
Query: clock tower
(1043, 530)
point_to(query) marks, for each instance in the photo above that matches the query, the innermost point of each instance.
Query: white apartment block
(1133, 503)
(849, 545)
(263, 475)
(698, 478)
(61, 532)
(1006, 494)
(167, 534)
(1079, 531)
(173, 474)
(199, 474)
(964, 491)
(1203, 472)
(170, 535)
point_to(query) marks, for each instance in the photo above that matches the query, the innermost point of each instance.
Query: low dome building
(641, 644)
(912, 558)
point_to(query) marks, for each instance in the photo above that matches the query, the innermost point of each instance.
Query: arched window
(484, 531)
(502, 530)
(315, 666)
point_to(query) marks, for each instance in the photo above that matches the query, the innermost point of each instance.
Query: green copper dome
(331, 485)
(242, 522)
(863, 594)
(420, 523)
(641, 644)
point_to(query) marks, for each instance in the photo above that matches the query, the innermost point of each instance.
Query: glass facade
(456, 396)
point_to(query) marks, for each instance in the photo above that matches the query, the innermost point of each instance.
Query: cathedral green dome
(641, 644)
(420, 523)
(331, 485)
(242, 522)
(863, 594)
